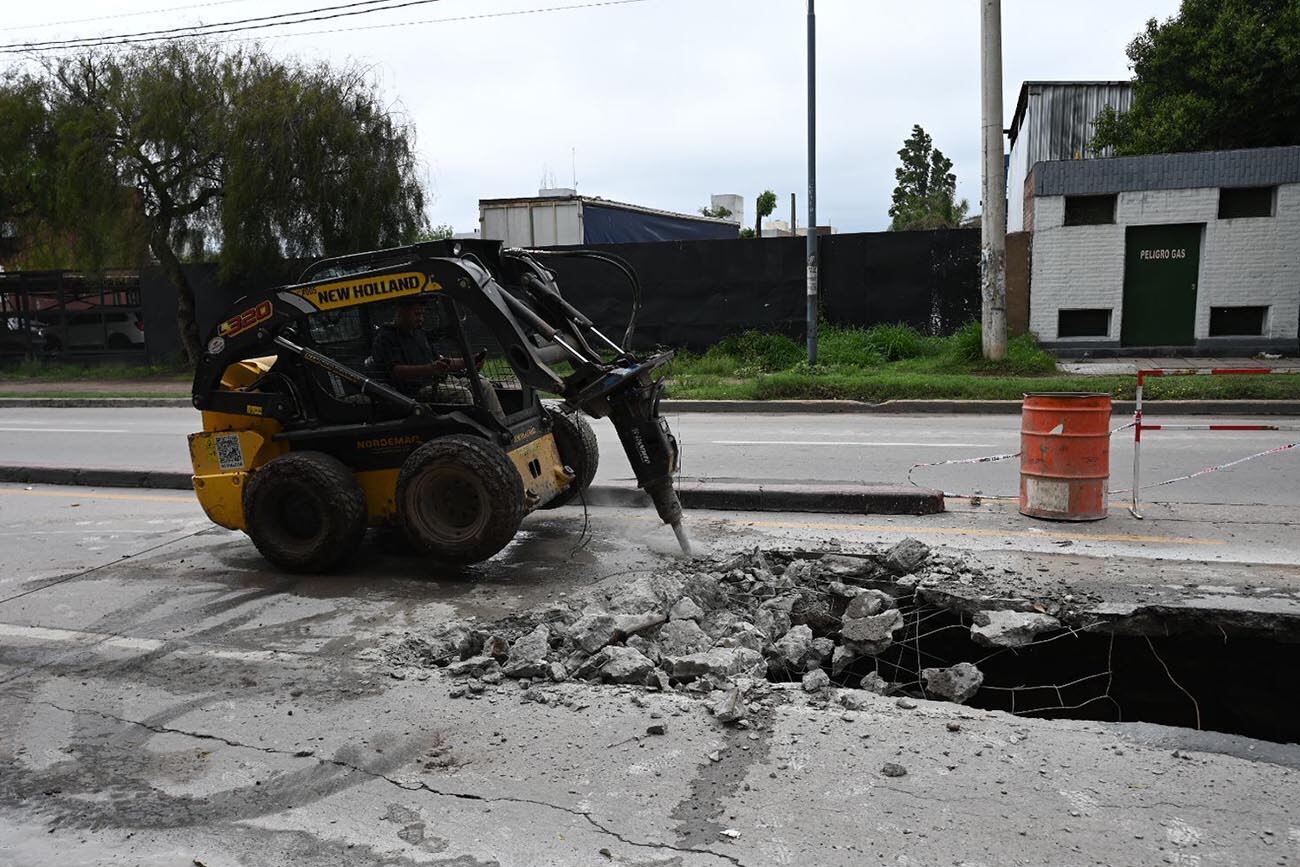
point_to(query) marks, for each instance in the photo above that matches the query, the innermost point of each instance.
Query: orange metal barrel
(1065, 456)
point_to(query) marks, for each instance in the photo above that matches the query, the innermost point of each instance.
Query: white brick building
(1189, 252)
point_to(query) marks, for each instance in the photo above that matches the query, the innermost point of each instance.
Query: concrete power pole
(993, 221)
(812, 184)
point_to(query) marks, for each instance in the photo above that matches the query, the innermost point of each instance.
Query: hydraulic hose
(610, 259)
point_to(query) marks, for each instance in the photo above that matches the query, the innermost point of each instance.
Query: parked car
(117, 329)
(18, 339)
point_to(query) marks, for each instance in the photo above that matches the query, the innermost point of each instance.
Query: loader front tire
(459, 499)
(579, 451)
(304, 511)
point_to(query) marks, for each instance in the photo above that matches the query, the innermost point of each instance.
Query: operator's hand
(479, 358)
(440, 366)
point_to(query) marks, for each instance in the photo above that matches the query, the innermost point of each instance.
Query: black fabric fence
(697, 292)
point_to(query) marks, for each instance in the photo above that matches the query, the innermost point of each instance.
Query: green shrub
(759, 350)
(899, 341)
(847, 346)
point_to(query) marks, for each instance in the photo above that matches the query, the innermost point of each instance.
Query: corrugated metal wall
(1058, 122)
(1058, 125)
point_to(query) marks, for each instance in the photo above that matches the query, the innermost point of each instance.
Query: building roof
(1254, 167)
(606, 203)
(1022, 102)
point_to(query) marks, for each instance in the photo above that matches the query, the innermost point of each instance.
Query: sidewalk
(1125, 366)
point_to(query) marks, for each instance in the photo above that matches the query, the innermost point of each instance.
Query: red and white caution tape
(1207, 470)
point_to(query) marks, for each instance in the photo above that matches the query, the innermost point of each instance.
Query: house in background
(557, 217)
(1187, 253)
(1054, 121)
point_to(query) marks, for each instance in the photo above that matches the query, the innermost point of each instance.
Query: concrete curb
(94, 402)
(706, 496)
(889, 407)
(97, 477)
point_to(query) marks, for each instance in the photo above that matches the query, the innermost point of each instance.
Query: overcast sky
(668, 101)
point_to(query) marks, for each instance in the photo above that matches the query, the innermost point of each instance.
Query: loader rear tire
(304, 511)
(579, 451)
(459, 499)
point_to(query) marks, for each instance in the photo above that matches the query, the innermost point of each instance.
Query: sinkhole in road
(1172, 668)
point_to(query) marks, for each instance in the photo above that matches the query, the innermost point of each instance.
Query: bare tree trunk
(186, 325)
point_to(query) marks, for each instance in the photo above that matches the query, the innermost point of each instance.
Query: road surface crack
(406, 786)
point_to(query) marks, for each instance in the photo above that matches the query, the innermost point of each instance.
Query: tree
(1221, 74)
(719, 213)
(440, 232)
(925, 196)
(764, 205)
(227, 152)
(747, 232)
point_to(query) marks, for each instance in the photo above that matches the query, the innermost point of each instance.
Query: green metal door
(1161, 265)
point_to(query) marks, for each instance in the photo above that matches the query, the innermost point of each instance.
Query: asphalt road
(759, 447)
(170, 700)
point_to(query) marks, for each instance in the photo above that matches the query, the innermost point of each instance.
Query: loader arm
(515, 298)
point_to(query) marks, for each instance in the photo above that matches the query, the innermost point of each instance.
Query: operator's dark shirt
(393, 347)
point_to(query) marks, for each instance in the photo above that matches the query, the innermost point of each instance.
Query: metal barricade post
(1139, 425)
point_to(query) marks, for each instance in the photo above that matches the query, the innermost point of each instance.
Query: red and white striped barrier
(1139, 425)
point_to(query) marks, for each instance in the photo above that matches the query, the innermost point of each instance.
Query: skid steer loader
(305, 444)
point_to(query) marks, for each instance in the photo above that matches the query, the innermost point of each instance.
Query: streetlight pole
(812, 184)
(993, 221)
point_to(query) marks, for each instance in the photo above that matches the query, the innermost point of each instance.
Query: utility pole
(993, 221)
(812, 184)
(793, 218)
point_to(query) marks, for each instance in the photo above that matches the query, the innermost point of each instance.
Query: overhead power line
(126, 15)
(106, 42)
(238, 24)
(593, 5)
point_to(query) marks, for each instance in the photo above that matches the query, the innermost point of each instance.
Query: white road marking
(63, 430)
(847, 443)
(137, 645)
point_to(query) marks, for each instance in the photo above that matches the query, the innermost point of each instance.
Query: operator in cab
(402, 354)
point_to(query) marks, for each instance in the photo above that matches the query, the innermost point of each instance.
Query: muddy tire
(459, 499)
(579, 451)
(304, 511)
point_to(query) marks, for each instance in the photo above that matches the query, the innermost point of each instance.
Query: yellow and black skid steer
(306, 442)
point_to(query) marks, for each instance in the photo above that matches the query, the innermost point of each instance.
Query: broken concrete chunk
(718, 623)
(527, 656)
(1010, 628)
(475, 666)
(852, 700)
(821, 649)
(907, 556)
(686, 609)
(875, 683)
(957, 683)
(841, 566)
(793, 648)
(743, 634)
(871, 635)
(841, 658)
(730, 706)
(629, 624)
(893, 769)
(558, 672)
(496, 646)
(682, 638)
(655, 592)
(813, 609)
(868, 603)
(644, 646)
(591, 632)
(624, 665)
(721, 662)
(816, 680)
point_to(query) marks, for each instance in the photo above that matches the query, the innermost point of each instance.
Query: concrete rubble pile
(726, 629)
